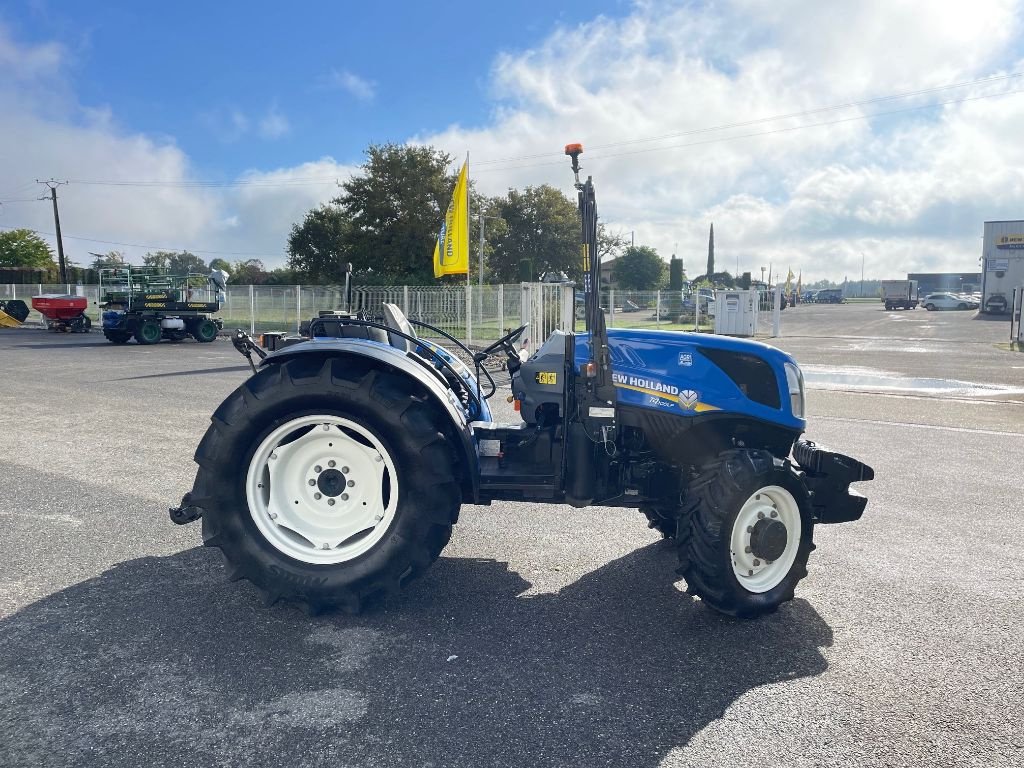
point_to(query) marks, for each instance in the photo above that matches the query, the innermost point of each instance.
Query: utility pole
(62, 264)
(862, 274)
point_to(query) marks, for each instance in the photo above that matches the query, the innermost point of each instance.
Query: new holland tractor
(334, 474)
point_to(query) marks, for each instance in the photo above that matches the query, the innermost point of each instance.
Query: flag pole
(469, 287)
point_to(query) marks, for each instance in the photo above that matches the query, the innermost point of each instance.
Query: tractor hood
(694, 373)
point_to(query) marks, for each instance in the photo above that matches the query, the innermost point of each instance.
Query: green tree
(157, 259)
(385, 221)
(220, 263)
(543, 226)
(282, 276)
(25, 249)
(248, 272)
(640, 268)
(716, 280)
(183, 262)
(317, 247)
(109, 260)
(495, 228)
(677, 275)
(610, 245)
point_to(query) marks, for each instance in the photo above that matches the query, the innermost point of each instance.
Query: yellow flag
(451, 252)
(789, 281)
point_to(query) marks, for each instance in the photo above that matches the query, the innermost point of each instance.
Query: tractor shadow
(161, 660)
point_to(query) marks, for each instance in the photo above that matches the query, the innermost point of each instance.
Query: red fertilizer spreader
(63, 312)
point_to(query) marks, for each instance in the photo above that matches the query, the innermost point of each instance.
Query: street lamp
(762, 275)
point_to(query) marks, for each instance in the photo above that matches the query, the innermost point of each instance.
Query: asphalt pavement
(544, 636)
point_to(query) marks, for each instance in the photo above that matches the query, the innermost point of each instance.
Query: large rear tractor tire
(327, 482)
(745, 533)
(148, 332)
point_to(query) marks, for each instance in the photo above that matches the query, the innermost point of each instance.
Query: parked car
(934, 301)
(830, 296)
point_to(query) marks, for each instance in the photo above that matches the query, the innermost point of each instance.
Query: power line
(150, 247)
(762, 133)
(773, 118)
(301, 181)
(315, 180)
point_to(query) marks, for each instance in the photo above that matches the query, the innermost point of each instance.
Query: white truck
(899, 294)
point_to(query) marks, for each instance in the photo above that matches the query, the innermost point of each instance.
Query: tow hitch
(828, 476)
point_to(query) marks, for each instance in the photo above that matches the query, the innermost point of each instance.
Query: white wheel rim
(756, 574)
(322, 489)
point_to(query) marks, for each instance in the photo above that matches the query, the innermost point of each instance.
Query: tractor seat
(395, 318)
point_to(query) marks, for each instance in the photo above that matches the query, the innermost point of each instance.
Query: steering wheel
(505, 341)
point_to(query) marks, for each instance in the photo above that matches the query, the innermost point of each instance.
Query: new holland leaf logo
(688, 399)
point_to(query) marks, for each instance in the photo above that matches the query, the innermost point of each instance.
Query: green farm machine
(149, 304)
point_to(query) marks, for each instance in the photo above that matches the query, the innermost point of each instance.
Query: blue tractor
(334, 474)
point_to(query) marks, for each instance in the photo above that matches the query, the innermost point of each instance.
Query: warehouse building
(943, 282)
(1002, 260)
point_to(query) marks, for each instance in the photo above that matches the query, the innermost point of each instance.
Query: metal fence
(480, 317)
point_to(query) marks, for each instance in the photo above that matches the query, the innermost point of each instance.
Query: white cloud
(274, 125)
(226, 124)
(351, 83)
(909, 191)
(86, 144)
(29, 62)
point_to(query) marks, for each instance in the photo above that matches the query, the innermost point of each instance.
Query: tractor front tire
(327, 482)
(745, 533)
(204, 331)
(148, 332)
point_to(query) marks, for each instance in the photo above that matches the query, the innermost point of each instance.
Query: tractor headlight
(795, 383)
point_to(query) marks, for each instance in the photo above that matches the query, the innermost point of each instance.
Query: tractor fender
(385, 355)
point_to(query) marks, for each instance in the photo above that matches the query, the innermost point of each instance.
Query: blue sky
(812, 134)
(271, 84)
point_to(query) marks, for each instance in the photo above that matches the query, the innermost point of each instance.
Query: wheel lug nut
(273, 515)
(750, 572)
(760, 515)
(330, 502)
(344, 470)
(318, 469)
(317, 496)
(748, 550)
(312, 482)
(774, 513)
(750, 529)
(331, 463)
(351, 483)
(344, 497)
(756, 561)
